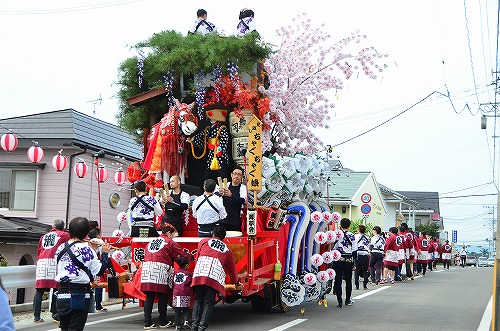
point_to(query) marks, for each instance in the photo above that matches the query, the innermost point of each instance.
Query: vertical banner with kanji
(254, 154)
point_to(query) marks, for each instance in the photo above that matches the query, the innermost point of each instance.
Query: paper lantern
(316, 216)
(35, 153)
(118, 233)
(316, 260)
(331, 236)
(320, 237)
(121, 217)
(59, 162)
(336, 255)
(323, 277)
(327, 257)
(336, 216)
(101, 174)
(9, 142)
(331, 273)
(120, 177)
(81, 169)
(327, 217)
(309, 279)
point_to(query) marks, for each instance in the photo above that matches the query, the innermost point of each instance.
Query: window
(18, 189)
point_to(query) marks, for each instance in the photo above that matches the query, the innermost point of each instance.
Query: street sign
(366, 209)
(454, 236)
(366, 197)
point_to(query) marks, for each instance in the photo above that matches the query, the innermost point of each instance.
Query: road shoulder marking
(485, 323)
(364, 295)
(289, 324)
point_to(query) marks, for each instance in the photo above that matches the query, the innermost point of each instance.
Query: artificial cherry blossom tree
(301, 73)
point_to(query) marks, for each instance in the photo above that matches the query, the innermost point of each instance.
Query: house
(396, 202)
(355, 194)
(33, 195)
(427, 209)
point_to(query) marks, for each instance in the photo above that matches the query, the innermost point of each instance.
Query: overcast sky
(65, 54)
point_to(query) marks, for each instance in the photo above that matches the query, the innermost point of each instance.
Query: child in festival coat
(183, 294)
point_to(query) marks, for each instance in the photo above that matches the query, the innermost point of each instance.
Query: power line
(68, 9)
(470, 51)
(385, 122)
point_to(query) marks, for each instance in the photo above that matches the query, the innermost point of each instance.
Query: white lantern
(320, 237)
(316, 260)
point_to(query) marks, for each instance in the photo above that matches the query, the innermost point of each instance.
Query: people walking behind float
(246, 23)
(157, 274)
(234, 198)
(402, 253)
(143, 209)
(446, 255)
(46, 267)
(343, 267)
(176, 203)
(430, 262)
(423, 252)
(362, 257)
(208, 209)
(410, 253)
(201, 25)
(391, 258)
(214, 261)
(437, 252)
(463, 256)
(376, 255)
(183, 294)
(77, 265)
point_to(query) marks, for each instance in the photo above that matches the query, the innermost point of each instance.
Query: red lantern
(101, 174)
(35, 153)
(9, 142)
(120, 177)
(59, 162)
(81, 169)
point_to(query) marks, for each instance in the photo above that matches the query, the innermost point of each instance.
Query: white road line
(107, 320)
(364, 295)
(487, 315)
(439, 270)
(289, 324)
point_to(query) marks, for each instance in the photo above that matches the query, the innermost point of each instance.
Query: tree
(301, 72)
(429, 228)
(167, 55)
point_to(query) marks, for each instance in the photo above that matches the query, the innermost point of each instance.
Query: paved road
(444, 300)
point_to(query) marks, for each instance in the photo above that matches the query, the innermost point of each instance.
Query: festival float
(203, 104)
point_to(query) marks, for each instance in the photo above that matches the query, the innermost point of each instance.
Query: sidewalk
(25, 319)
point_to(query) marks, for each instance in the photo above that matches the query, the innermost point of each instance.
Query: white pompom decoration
(118, 233)
(336, 255)
(323, 277)
(327, 257)
(331, 273)
(331, 236)
(336, 216)
(121, 217)
(309, 279)
(316, 216)
(316, 260)
(339, 234)
(320, 237)
(327, 217)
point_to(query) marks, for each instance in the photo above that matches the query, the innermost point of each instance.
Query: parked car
(482, 261)
(491, 262)
(470, 260)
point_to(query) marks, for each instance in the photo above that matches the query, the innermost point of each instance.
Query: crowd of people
(381, 258)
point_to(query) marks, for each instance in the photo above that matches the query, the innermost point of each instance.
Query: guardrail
(18, 276)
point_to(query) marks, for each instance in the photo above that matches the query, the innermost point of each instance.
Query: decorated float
(203, 104)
